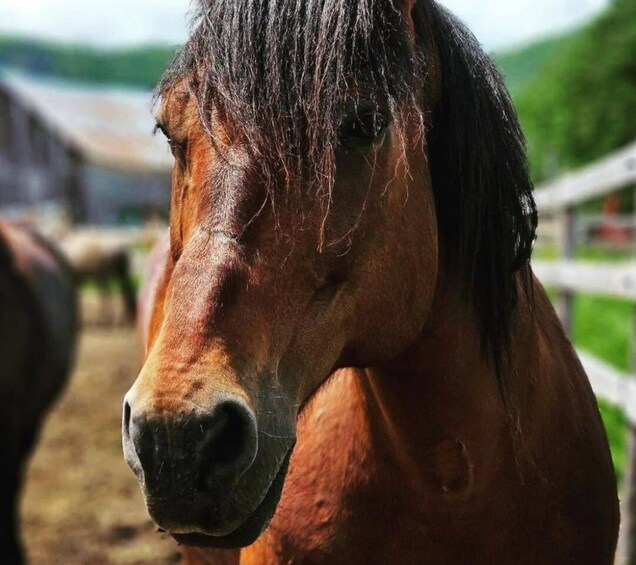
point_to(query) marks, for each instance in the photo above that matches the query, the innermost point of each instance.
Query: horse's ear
(406, 7)
(418, 20)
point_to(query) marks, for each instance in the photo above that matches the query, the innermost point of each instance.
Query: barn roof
(111, 127)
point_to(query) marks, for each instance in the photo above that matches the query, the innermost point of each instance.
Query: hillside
(582, 105)
(522, 64)
(140, 67)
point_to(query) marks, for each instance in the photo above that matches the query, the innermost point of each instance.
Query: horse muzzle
(190, 459)
(201, 473)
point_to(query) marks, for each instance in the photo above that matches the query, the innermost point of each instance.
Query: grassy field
(603, 327)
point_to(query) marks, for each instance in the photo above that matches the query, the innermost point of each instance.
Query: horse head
(333, 161)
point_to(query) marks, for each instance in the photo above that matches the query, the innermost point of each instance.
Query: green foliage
(582, 103)
(521, 65)
(141, 67)
(579, 106)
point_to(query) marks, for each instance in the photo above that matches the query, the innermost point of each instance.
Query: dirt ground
(81, 504)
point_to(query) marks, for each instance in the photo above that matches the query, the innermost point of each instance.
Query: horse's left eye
(160, 127)
(365, 129)
(177, 149)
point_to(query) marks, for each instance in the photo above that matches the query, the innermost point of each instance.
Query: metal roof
(111, 127)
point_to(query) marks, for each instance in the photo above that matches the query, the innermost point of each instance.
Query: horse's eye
(177, 149)
(160, 127)
(363, 129)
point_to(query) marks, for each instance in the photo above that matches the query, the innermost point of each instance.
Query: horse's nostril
(191, 451)
(131, 452)
(126, 418)
(229, 442)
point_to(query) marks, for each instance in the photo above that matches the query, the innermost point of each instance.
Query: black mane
(279, 71)
(486, 210)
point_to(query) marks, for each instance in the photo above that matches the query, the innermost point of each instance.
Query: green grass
(113, 284)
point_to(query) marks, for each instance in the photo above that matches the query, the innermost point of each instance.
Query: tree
(582, 106)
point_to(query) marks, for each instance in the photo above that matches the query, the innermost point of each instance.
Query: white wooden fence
(617, 280)
(606, 176)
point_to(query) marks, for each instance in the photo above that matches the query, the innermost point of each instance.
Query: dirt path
(82, 504)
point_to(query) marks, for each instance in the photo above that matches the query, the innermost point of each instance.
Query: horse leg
(10, 550)
(105, 299)
(127, 288)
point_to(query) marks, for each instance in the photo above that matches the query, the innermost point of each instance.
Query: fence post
(566, 297)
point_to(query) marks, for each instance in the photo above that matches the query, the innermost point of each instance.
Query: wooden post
(76, 188)
(566, 297)
(66, 168)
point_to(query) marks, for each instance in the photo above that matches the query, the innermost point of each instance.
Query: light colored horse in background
(103, 261)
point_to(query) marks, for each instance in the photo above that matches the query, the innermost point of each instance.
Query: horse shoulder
(566, 461)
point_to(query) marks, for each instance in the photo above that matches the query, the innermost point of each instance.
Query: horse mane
(279, 71)
(486, 211)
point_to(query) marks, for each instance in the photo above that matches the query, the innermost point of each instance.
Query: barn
(85, 152)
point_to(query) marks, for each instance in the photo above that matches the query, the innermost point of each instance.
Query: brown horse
(349, 359)
(37, 343)
(103, 263)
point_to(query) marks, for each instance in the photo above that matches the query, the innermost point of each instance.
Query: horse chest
(347, 500)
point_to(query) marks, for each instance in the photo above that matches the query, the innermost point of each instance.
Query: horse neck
(439, 404)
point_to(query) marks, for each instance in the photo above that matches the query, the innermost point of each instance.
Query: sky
(497, 23)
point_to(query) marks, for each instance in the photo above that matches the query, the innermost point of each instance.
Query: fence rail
(617, 280)
(606, 176)
(611, 385)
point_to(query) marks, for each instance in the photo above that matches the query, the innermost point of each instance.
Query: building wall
(9, 188)
(124, 198)
(34, 164)
(37, 169)
(5, 133)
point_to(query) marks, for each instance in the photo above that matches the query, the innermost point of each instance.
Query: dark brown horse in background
(37, 343)
(349, 359)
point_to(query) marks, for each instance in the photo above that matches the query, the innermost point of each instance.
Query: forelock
(280, 72)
